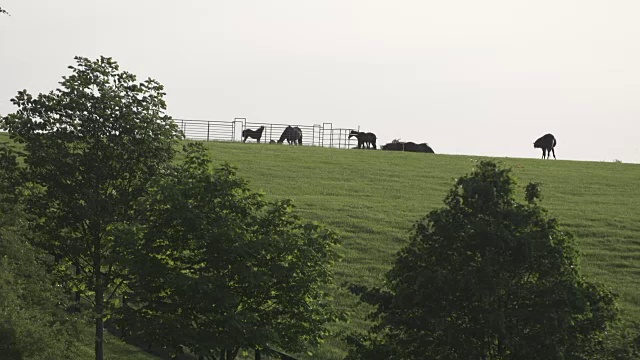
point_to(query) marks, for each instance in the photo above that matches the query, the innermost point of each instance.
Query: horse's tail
(554, 142)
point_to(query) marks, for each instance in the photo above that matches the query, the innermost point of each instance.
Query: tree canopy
(91, 146)
(214, 267)
(487, 277)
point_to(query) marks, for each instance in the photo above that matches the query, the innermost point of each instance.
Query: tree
(487, 277)
(217, 268)
(91, 147)
(33, 321)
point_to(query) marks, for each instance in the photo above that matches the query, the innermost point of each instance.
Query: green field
(372, 199)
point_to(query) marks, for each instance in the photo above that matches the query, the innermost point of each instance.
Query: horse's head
(353, 133)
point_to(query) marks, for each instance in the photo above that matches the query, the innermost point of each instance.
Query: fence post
(243, 122)
(208, 127)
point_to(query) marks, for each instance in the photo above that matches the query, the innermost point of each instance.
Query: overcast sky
(466, 76)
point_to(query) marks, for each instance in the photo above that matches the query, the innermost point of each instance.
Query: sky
(466, 76)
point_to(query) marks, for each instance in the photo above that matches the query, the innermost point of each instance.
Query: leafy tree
(33, 321)
(217, 268)
(91, 147)
(487, 277)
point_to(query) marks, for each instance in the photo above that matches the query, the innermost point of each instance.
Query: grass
(373, 198)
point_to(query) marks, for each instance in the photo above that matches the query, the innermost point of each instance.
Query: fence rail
(324, 134)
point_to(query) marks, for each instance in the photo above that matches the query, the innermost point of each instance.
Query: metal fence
(312, 135)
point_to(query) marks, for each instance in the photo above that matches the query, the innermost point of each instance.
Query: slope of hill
(373, 198)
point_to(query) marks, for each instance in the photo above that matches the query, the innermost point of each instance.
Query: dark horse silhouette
(408, 146)
(368, 139)
(254, 134)
(546, 143)
(292, 135)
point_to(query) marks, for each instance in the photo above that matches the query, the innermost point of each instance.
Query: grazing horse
(408, 146)
(254, 134)
(546, 143)
(368, 139)
(292, 135)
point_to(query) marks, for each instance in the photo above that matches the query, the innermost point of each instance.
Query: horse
(368, 139)
(394, 146)
(547, 143)
(408, 146)
(254, 134)
(424, 147)
(292, 135)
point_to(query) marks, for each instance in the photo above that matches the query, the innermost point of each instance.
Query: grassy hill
(372, 199)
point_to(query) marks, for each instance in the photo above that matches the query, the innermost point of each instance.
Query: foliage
(216, 267)
(91, 147)
(33, 321)
(488, 278)
(622, 343)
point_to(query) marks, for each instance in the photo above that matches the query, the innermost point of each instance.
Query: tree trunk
(99, 337)
(78, 298)
(99, 297)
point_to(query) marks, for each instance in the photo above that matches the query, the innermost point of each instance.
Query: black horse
(547, 143)
(368, 139)
(292, 135)
(408, 146)
(254, 134)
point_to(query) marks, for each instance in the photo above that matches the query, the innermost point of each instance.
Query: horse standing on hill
(547, 143)
(254, 134)
(368, 139)
(292, 135)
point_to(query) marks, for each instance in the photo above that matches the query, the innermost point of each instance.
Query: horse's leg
(554, 153)
(245, 139)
